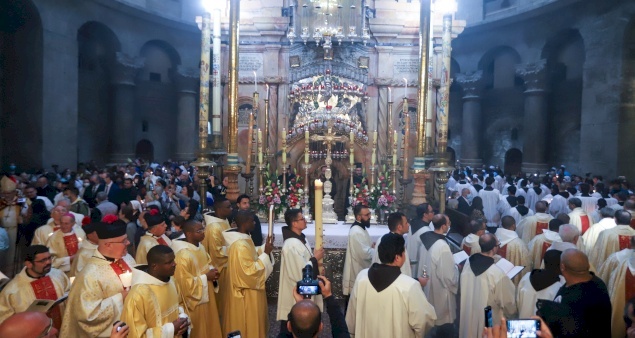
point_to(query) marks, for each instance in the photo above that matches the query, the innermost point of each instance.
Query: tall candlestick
(395, 142)
(389, 94)
(319, 231)
(405, 89)
(284, 146)
(250, 135)
(405, 148)
(270, 220)
(259, 146)
(352, 146)
(373, 158)
(306, 146)
(255, 82)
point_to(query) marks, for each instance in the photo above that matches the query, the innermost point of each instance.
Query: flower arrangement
(271, 194)
(380, 197)
(295, 195)
(361, 194)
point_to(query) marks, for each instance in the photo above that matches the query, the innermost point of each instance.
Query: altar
(335, 243)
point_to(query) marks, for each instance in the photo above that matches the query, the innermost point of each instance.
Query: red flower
(85, 220)
(110, 219)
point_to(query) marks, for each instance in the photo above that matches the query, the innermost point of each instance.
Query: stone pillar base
(531, 168)
(232, 175)
(472, 162)
(419, 193)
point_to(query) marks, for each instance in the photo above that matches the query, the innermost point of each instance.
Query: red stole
(629, 286)
(502, 251)
(540, 227)
(43, 288)
(467, 249)
(625, 242)
(545, 246)
(72, 244)
(585, 223)
(56, 228)
(120, 266)
(162, 241)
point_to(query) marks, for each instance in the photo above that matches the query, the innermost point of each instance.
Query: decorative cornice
(187, 79)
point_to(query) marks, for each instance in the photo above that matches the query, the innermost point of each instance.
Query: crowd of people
(128, 252)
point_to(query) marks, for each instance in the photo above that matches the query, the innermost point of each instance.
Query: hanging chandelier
(326, 21)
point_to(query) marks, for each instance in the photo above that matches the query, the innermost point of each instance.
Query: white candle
(270, 232)
(405, 89)
(259, 146)
(209, 128)
(389, 94)
(267, 92)
(394, 153)
(319, 230)
(306, 153)
(126, 279)
(255, 82)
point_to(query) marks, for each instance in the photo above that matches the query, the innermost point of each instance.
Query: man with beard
(152, 305)
(359, 250)
(38, 280)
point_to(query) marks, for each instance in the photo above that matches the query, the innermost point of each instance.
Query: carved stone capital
(383, 81)
(187, 79)
(534, 74)
(274, 79)
(472, 84)
(126, 69)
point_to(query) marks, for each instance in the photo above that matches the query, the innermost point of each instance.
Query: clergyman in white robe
(591, 236)
(539, 284)
(490, 203)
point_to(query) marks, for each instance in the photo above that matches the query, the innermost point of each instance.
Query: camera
(308, 286)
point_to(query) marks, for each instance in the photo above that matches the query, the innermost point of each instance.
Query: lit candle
(255, 83)
(319, 231)
(270, 232)
(209, 128)
(259, 146)
(405, 89)
(306, 148)
(126, 279)
(389, 94)
(284, 146)
(250, 134)
(394, 153)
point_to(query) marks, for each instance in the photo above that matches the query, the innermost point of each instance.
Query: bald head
(487, 242)
(28, 325)
(305, 319)
(574, 262)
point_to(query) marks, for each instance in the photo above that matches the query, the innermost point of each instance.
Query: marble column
(125, 71)
(187, 83)
(472, 85)
(274, 113)
(535, 119)
(383, 122)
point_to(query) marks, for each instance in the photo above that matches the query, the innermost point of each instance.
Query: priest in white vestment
(65, 243)
(359, 250)
(386, 303)
(484, 284)
(614, 260)
(612, 240)
(155, 235)
(490, 198)
(578, 216)
(559, 204)
(423, 219)
(591, 236)
(88, 248)
(470, 242)
(37, 280)
(96, 299)
(621, 289)
(535, 194)
(295, 255)
(520, 211)
(443, 274)
(539, 284)
(397, 224)
(589, 203)
(513, 248)
(534, 225)
(539, 245)
(43, 233)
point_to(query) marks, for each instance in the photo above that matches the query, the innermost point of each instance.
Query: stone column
(535, 119)
(187, 83)
(383, 120)
(274, 115)
(471, 132)
(125, 71)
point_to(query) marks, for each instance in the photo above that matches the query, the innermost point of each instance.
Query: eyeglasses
(300, 220)
(48, 329)
(124, 242)
(43, 260)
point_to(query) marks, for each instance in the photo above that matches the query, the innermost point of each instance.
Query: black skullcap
(110, 230)
(153, 217)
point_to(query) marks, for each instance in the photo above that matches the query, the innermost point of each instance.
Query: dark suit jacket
(89, 195)
(47, 191)
(113, 194)
(464, 206)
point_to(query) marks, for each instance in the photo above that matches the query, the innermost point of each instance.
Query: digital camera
(308, 286)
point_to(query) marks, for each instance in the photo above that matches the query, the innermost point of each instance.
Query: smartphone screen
(308, 290)
(489, 321)
(522, 328)
(235, 334)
